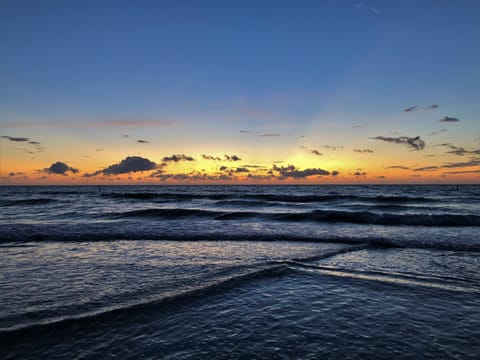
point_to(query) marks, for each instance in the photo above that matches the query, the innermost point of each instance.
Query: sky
(239, 91)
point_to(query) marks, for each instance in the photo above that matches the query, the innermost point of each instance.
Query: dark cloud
(358, 173)
(316, 152)
(34, 143)
(16, 174)
(432, 107)
(449, 119)
(412, 108)
(244, 132)
(232, 158)
(413, 142)
(127, 165)
(293, 172)
(16, 139)
(381, 177)
(335, 173)
(98, 150)
(210, 157)
(60, 168)
(223, 168)
(177, 158)
(241, 170)
(363, 150)
(140, 141)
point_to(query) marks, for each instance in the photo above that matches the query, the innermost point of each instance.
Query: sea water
(240, 272)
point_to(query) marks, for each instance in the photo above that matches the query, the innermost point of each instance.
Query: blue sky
(218, 67)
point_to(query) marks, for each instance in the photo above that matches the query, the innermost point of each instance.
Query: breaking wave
(328, 216)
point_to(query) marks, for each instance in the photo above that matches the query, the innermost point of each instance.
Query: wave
(12, 334)
(327, 216)
(24, 202)
(38, 233)
(218, 282)
(164, 213)
(396, 279)
(387, 219)
(282, 198)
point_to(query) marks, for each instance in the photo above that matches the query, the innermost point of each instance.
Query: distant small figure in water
(99, 189)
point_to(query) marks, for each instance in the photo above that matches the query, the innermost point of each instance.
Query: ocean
(240, 272)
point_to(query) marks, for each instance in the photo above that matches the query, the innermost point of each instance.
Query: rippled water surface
(240, 272)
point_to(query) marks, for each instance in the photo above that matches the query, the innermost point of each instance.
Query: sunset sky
(160, 92)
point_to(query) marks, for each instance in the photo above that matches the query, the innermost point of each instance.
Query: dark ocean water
(240, 272)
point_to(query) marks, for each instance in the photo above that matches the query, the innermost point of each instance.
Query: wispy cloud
(449, 119)
(25, 141)
(460, 151)
(473, 162)
(333, 147)
(368, 7)
(462, 172)
(438, 132)
(412, 108)
(363, 150)
(413, 142)
(16, 139)
(450, 165)
(401, 167)
(418, 108)
(269, 135)
(211, 157)
(427, 168)
(140, 141)
(24, 150)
